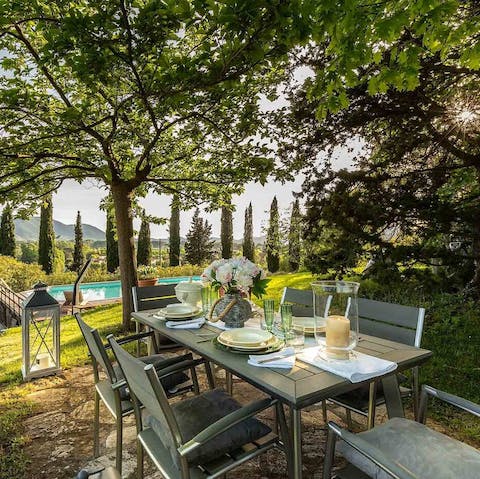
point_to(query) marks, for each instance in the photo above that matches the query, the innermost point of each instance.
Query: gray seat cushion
(428, 454)
(197, 413)
(170, 383)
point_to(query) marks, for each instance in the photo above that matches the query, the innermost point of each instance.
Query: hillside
(27, 230)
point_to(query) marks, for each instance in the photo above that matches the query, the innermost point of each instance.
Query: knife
(275, 358)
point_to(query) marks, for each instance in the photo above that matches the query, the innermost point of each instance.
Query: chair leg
(139, 460)
(96, 426)
(118, 449)
(329, 454)
(196, 388)
(349, 419)
(372, 402)
(416, 392)
(229, 382)
(281, 423)
(324, 411)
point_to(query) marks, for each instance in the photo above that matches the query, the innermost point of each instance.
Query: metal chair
(113, 391)
(403, 324)
(156, 297)
(301, 300)
(202, 437)
(404, 449)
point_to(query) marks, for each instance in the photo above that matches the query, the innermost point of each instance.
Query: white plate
(256, 347)
(306, 324)
(245, 337)
(188, 312)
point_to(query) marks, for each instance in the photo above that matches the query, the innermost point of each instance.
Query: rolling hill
(27, 230)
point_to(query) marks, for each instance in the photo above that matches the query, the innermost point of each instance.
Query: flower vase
(232, 309)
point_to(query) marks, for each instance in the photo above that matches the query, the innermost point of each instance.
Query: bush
(20, 276)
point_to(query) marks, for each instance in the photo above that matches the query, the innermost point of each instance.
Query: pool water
(104, 290)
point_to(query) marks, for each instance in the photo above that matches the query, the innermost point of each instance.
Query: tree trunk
(122, 200)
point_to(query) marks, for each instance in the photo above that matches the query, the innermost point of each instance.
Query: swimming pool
(104, 290)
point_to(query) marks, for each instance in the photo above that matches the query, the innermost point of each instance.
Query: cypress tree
(174, 232)
(273, 239)
(198, 245)
(112, 245)
(78, 256)
(46, 238)
(7, 233)
(144, 246)
(294, 237)
(226, 232)
(248, 244)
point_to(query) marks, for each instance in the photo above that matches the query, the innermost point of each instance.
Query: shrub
(20, 276)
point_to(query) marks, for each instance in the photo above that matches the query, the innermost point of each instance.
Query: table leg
(296, 421)
(138, 328)
(393, 399)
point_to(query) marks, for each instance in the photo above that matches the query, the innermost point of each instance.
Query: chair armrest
(371, 452)
(164, 363)
(119, 384)
(459, 402)
(178, 366)
(225, 423)
(129, 339)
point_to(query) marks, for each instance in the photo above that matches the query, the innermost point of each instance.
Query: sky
(86, 197)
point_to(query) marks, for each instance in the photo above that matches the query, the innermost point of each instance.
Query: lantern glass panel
(42, 343)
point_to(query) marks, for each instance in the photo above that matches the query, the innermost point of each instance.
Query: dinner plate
(245, 336)
(306, 324)
(275, 346)
(256, 347)
(173, 315)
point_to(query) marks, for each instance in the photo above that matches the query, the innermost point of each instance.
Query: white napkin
(287, 361)
(358, 369)
(196, 323)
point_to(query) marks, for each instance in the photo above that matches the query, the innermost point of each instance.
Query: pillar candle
(337, 336)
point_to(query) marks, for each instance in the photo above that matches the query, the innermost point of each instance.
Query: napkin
(196, 323)
(287, 361)
(358, 369)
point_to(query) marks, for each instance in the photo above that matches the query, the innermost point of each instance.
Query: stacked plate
(178, 312)
(247, 339)
(305, 324)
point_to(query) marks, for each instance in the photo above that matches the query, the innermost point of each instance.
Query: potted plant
(147, 276)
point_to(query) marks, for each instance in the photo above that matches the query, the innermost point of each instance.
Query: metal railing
(10, 305)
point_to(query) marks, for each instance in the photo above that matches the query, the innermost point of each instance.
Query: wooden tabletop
(300, 386)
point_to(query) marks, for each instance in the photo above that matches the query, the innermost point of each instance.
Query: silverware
(275, 358)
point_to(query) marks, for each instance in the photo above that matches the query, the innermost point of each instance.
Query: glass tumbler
(207, 294)
(269, 313)
(286, 315)
(335, 309)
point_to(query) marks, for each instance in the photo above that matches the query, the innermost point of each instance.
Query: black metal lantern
(40, 334)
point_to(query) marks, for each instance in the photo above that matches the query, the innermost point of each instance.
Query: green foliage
(294, 237)
(272, 243)
(174, 233)
(58, 261)
(198, 245)
(20, 276)
(46, 239)
(29, 253)
(226, 232)
(248, 246)
(7, 233)
(144, 245)
(111, 244)
(146, 272)
(78, 254)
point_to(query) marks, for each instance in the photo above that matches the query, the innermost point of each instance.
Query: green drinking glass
(269, 313)
(207, 295)
(286, 315)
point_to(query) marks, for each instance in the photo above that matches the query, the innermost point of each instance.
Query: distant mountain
(27, 230)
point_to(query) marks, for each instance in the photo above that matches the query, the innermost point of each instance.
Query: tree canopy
(139, 95)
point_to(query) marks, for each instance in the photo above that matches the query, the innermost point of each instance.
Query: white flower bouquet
(236, 275)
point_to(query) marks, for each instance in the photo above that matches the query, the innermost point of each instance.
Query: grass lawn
(452, 332)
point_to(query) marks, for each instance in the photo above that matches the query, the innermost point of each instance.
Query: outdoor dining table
(304, 384)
